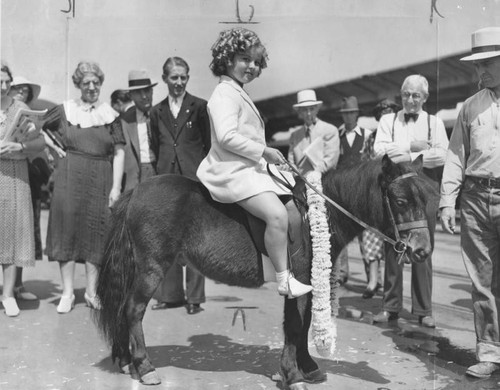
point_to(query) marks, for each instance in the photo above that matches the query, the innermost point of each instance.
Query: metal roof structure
(450, 81)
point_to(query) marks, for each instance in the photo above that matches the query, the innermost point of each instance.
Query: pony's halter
(399, 245)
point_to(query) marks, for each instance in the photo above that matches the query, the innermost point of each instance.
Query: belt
(489, 182)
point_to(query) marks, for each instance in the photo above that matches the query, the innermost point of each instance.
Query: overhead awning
(450, 81)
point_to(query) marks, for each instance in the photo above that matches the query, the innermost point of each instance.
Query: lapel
(185, 112)
(244, 95)
(130, 127)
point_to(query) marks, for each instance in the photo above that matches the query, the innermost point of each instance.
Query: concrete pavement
(235, 343)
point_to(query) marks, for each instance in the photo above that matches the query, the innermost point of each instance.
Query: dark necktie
(409, 116)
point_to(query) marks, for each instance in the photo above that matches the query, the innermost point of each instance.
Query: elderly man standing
(473, 166)
(140, 161)
(404, 136)
(314, 145)
(181, 139)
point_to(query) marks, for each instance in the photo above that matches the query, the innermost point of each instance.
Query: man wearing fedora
(404, 136)
(352, 145)
(181, 140)
(473, 167)
(140, 160)
(314, 145)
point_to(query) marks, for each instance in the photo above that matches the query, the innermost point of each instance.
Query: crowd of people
(100, 150)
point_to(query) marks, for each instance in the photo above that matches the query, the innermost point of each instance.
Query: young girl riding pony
(234, 171)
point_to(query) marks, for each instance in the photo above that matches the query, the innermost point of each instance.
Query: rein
(399, 245)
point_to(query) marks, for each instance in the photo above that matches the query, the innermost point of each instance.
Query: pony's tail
(115, 280)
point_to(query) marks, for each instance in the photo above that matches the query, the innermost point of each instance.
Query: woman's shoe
(21, 293)
(293, 288)
(10, 306)
(92, 302)
(66, 304)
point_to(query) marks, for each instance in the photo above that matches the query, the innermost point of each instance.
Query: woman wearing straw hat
(39, 171)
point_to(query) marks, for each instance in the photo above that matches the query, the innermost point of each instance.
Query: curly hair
(86, 67)
(231, 42)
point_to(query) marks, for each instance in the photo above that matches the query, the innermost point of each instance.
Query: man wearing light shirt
(314, 145)
(140, 161)
(404, 136)
(473, 166)
(180, 128)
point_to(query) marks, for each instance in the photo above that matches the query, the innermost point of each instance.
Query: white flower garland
(323, 326)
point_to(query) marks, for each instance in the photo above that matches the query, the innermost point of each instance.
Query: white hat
(307, 98)
(485, 44)
(139, 79)
(35, 88)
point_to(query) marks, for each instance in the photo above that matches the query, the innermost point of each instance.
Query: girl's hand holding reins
(273, 156)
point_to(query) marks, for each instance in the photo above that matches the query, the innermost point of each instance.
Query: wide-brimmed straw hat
(307, 98)
(349, 104)
(35, 88)
(139, 79)
(485, 44)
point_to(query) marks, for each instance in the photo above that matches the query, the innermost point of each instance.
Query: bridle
(400, 247)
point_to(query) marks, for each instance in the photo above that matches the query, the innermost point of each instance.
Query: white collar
(86, 115)
(178, 100)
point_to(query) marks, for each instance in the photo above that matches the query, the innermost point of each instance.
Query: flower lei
(323, 326)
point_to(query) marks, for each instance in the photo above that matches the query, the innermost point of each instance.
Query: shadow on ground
(217, 353)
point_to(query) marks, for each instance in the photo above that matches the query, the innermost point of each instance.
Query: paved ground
(220, 348)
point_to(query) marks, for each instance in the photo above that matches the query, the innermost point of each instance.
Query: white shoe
(92, 302)
(66, 304)
(21, 293)
(293, 288)
(10, 306)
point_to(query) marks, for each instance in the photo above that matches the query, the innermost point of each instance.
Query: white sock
(282, 277)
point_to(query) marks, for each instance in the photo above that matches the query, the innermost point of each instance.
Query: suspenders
(429, 132)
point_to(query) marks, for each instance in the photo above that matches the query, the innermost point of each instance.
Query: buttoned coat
(132, 166)
(234, 169)
(181, 143)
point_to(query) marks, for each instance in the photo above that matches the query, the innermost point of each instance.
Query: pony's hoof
(126, 369)
(151, 378)
(298, 386)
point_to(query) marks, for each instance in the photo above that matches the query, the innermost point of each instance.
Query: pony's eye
(400, 202)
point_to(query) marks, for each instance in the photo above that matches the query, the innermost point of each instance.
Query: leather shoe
(369, 293)
(167, 305)
(482, 369)
(193, 308)
(385, 316)
(427, 321)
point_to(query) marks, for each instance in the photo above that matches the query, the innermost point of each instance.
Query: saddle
(297, 222)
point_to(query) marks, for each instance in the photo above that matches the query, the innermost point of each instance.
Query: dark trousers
(171, 288)
(421, 275)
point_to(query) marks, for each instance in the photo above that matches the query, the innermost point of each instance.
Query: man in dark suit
(140, 160)
(181, 139)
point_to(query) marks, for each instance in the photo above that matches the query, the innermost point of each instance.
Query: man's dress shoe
(193, 308)
(167, 305)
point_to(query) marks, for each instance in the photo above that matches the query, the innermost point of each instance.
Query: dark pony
(171, 218)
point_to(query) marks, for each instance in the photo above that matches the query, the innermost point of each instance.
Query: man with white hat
(314, 145)
(140, 160)
(473, 167)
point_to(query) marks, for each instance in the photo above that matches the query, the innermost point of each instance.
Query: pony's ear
(387, 165)
(418, 163)
(387, 171)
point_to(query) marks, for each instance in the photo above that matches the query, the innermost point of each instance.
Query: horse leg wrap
(151, 378)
